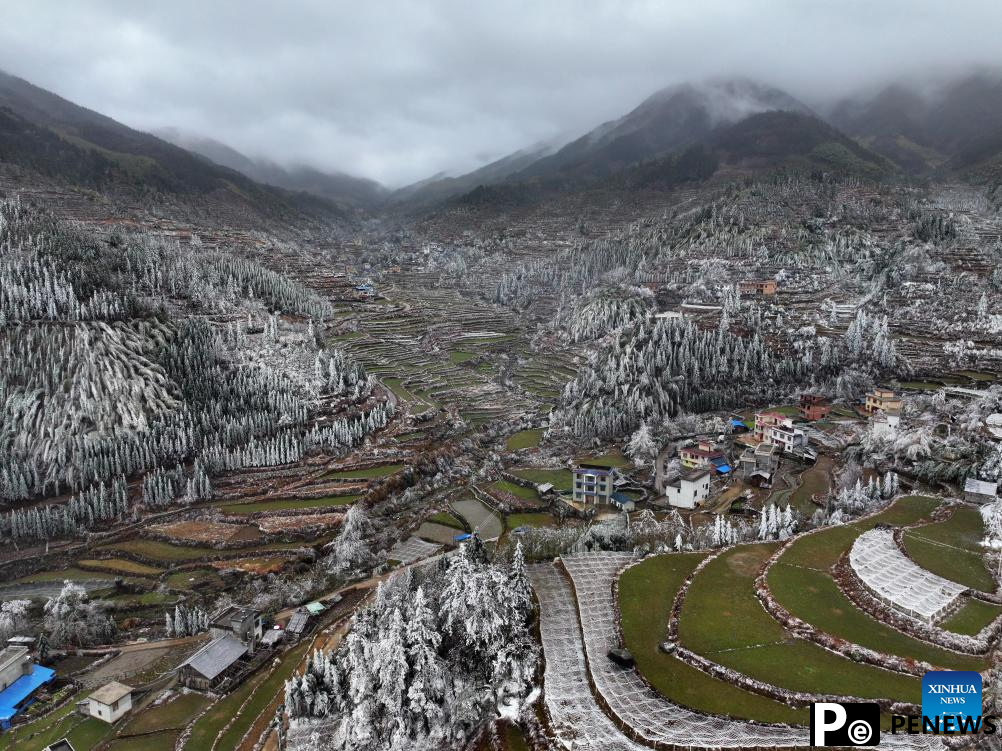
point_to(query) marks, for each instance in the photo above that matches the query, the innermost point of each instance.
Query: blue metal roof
(723, 468)
(464, 536)
(17, 692)
(735, 422)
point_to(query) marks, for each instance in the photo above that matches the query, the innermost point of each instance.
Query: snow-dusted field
(577, 719)
(412, 549)
(648, 714)
(896, 579)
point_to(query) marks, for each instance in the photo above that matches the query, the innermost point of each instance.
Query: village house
(211, 665)
(704, 455)
(242, 623)
(777, 429)
(885, 423)
(593, 483)
(20, 680)
(882, 400)
(109, 703)
(814, 407)
(60, 745)
(690, 489)
(759, 464)
(979, 491)
(756, 287)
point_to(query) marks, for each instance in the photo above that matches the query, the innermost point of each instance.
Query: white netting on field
(647, 714)
(897, 580)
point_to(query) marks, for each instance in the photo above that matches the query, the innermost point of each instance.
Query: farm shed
(979, 491)
(212, 664)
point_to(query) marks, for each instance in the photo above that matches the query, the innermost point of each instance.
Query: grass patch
(290, 503)
(194, 578)
(972, 617)
(952, 549)
(171, 715)
(73, 574)
(645, 596)
(156, 742)
(366, 474)
(524, 439)
(614, 458)
(519, 491)
(458, 356)
(448, 520)
(723, 620)
(814, 480)
(561, 479)
(146, 599)
(820, 550)
(122, 566)
(815, 598)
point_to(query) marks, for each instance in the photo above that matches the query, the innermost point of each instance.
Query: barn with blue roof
(20, 679)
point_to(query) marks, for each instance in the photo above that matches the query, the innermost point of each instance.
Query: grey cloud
(397, 90)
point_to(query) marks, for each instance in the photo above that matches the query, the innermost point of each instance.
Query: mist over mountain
(59, 140)
(952, 126)
(354, 192)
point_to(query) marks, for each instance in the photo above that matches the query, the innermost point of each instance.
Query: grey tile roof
(216, 656)
(297, 623)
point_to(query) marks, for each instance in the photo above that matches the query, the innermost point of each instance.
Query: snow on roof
(272, 636)
(980, 487)
(109, 693)
(216, 656)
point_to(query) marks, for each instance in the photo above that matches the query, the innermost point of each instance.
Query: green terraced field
(645, 597)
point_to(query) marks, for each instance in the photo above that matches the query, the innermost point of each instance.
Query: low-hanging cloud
(398, 90)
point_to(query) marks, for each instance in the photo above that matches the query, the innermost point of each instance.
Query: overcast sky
(397, 90)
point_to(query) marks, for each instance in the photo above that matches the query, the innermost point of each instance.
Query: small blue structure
(737, 426)
(720, 464)
(462, 537)
(623, 501)
(19, 695)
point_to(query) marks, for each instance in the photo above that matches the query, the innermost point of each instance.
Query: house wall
(14, 671)
(111, 713)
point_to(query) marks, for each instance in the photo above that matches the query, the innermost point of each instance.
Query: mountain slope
(338, 187)
(953, 127)
(773, 139)
(668, 121)
(47, 134)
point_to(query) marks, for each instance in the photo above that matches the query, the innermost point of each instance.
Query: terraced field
(812, 595)
(433, 347)
(645, 598)
(723, 620)
(952, 549)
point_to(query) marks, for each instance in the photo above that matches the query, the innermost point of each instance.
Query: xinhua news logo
(845, 723)
(951, 700)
